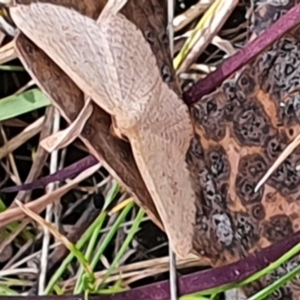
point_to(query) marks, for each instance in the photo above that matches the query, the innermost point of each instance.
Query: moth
(107, 61)
(115, 154)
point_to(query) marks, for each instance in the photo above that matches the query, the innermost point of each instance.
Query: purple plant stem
(60, 176)
(198, 281)
(244, 56)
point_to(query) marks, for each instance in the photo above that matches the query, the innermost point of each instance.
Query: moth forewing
(71, 40)
(160, 149)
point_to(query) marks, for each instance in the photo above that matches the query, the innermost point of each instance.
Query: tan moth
(114, 65)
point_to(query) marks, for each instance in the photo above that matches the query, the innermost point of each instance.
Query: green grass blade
(273, 266)
(261, 295)
(106, 242)
(12, 68)
(92, 242)
(195, 297)
(99, 221)
(196, 33)
(112, 194)
(19, 104)
(133, 230)
(5, 291)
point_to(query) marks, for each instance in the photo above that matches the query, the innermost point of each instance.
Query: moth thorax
(126, 124)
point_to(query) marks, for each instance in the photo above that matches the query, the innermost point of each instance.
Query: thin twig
(50, 188)
(172, 256)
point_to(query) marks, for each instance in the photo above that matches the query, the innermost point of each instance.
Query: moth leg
(64, 137)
